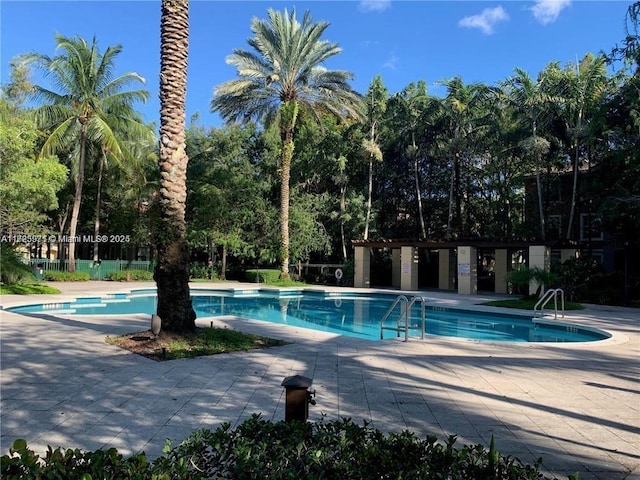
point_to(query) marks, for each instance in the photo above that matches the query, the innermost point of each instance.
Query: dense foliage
(258, 449)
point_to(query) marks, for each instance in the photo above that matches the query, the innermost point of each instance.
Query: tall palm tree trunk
(543, 232)
(77, 200)
(343, 208)
(370, 199)
(450, 213)
(96, 223)
(287, 155)
(172, 270)
(288, 119)
(418, 192)
(574, 193)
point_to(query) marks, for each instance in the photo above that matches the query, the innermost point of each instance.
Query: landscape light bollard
(298, 398)
(156, 325)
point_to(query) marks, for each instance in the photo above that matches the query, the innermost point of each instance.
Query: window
(590, 227)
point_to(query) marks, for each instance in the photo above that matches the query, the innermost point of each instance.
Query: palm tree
(412, 104)
(463, 107)
(86, 108)
(376, 102)
(531, 98)
(584, 89)
(283, 78)
(138, 139)
(172, 270)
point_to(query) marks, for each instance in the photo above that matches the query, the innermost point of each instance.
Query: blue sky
(404, 41)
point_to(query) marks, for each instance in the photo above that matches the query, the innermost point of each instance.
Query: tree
(412, 103)
(281, 80)
(138, 140)
(463, 107)
(28, 185)
(89, 102)
(227, 204)
(376, 101)
(531, 98)
(582, 87)
(172, 270)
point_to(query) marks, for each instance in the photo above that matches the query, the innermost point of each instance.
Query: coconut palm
(282, 78)
(90, 101)
(172, 270)
(138, 141)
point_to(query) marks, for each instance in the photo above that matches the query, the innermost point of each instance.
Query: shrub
(22, 463)
(522, 276)
(261, 275)
(54, 276)
(12, 267)
(259, 449)
(126, 275)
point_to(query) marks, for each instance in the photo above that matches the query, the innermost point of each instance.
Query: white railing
(553, 293)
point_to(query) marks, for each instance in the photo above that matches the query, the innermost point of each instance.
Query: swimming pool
(351, 314)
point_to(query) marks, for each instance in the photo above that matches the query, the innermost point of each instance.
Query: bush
(133, 275)
(261, 275)
(258, 449)
(22, 463)
(12, 267)
(521, 277)
(54, 276)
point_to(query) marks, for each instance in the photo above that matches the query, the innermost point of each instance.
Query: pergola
(405, 261)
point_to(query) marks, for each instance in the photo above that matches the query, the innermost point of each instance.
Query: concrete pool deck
(575, 405)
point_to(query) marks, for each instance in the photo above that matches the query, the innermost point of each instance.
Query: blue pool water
(351, 314)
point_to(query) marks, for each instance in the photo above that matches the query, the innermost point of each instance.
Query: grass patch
(529, 303)
(202, 342)
(27, 289)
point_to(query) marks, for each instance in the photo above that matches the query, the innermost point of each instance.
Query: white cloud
(547, 11)
(369, 43)
(374, 5)
(391, 62)
(486, 20)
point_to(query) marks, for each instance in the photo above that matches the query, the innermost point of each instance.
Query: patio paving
(575, 405)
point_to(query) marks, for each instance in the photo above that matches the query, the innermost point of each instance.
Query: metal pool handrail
(544, 299)
(404, 315)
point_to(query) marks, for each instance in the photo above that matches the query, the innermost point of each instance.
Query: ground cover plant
(201, 342)
(259, 449)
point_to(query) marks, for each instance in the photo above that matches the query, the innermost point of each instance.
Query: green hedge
(259, 449)
(55, 276)
(126, 275)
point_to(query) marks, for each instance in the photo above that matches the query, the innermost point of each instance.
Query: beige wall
(467, 271)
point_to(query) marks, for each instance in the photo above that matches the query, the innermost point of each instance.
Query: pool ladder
(402, 322)
(553, 293)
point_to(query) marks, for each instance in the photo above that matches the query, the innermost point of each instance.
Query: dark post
(298, 398)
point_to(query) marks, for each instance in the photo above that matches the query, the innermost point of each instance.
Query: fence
(96, 270)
